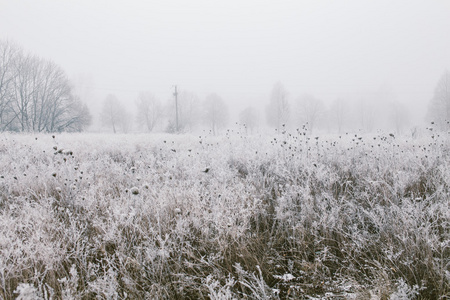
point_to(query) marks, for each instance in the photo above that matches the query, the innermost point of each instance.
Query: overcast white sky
(239, 48)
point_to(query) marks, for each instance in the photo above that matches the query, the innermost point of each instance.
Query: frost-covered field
(188, 217)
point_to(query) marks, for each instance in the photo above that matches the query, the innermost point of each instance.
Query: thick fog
(360, 51)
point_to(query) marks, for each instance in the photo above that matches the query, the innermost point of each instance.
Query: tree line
(379, 110)
(213, 112)
(36, 94)
(306, 112)
(310, 113)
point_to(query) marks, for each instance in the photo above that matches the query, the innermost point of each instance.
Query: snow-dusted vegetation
(201, 217)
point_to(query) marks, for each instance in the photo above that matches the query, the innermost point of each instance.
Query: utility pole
(176, 107)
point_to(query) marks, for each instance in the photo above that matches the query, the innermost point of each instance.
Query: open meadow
(288, 216)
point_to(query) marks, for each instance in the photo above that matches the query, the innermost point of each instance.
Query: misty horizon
(356, 51)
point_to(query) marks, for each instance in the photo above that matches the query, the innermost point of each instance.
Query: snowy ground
(201, 217)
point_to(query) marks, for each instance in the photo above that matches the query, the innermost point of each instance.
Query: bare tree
(310, 111)
(277, 111)
(23, 90)
(51, 100)
(112, 113)
(36, 95)
(216, 112)
(249, 118)
(9, 54)
(149, 110)
(439, 105)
